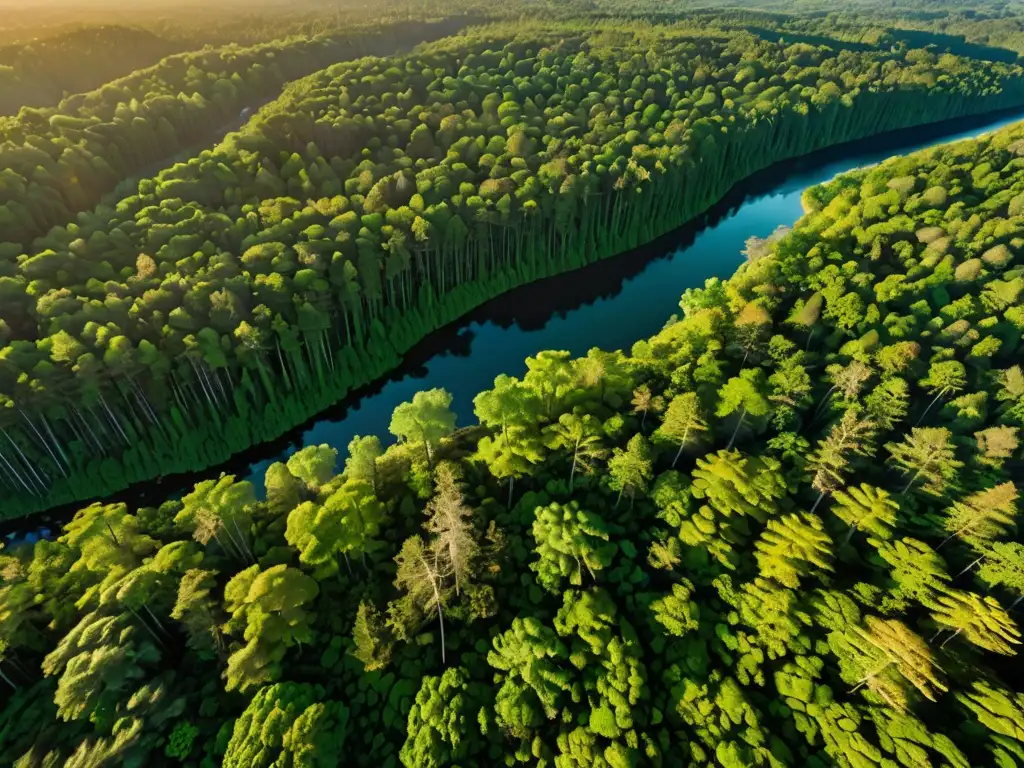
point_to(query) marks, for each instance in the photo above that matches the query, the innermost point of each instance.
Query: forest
(780, 532)
(226, 298)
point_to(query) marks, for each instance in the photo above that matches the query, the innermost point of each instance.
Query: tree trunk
(933, 402)
(816, 503)
(6, 679)
(682, 443)
(572, 472)
(736, 431)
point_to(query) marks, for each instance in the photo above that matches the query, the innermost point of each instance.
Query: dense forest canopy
(61, 161)
(231, 296)
(780, 532)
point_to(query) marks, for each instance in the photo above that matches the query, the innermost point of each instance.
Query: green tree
(425, 420)
(944, 377)
(270, 608)
(289, 724)
(421, 573)
(927, 453)
(852, 435)
(451, 522)
(890, 659)
(983, 516)
(582, 435)
(569, 539)
(743, 395)
(371, 642)
(361, 463)
(443, 728)
(631, 469)
(981, 620)
(346, 523)
(683, 419)
(866, 508)
(314, 466)
(793, 546)
(220, 510)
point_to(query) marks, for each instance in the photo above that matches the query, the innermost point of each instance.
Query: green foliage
(218, 303)
(775, 594)
(288, 724)
(569, 540)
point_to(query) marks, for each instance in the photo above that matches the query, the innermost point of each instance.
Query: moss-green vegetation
(232, 296)
(60, 161)
(781, 532)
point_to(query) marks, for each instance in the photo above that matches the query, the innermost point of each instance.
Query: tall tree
(744, 395)
(888, 656)
(852, 435)
(451, 522)
(370, 639)
(314, 465)
(981, 620)
(1003, 566)
(569, 539)
(425, 420)
(983, 516)
(944, 378)
(866, 508)
(220, 509)
(684, 419)
(793, 546)
(421, 573)
(631, 469)
(361, 463)
(580, 434)
(643, 400)
(346, 523)
(927, 453)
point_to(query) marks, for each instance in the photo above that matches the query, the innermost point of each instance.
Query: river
(610, 304)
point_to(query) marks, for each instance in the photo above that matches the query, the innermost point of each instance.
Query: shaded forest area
(234, 295)
(41, 73)
(782, 531)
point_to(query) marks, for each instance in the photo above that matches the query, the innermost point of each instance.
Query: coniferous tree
(926, 454)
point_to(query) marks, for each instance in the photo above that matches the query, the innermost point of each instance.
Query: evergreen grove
(780, 532)
(230, 297)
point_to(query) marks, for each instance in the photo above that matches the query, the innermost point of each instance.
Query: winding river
(610, 304)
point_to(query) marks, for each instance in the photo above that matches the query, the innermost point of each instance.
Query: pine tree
(983, 516)
(793, 546)
(581, 434)
(683, 420)
(631, 469)
(745, 395)
(372, 644)
(996, 444)
(451, 522)
(1003, 566)
(888, 655)
(981, 620)
(866, 508)
(927, 454)
(420, 575)
(852, 435)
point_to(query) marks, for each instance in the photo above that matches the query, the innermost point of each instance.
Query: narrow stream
(610, 304)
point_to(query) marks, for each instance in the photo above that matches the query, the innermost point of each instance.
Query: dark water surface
(610, 304)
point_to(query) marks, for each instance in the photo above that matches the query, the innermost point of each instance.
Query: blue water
(638, 308)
